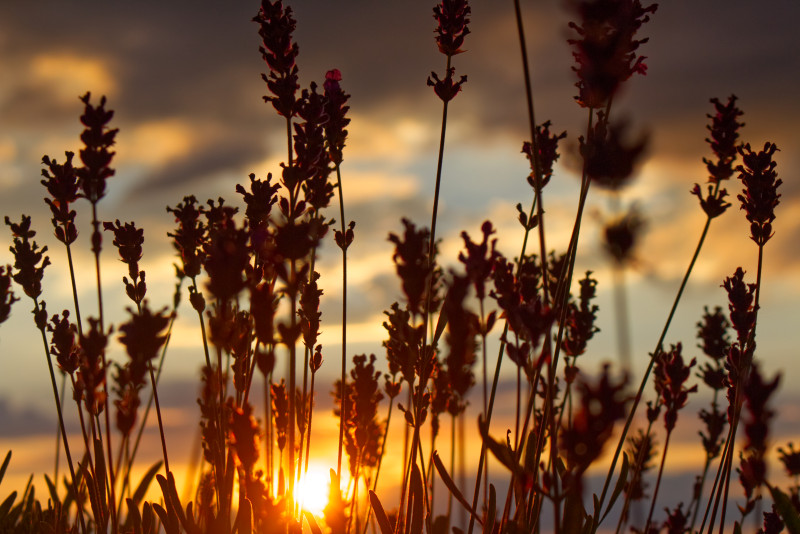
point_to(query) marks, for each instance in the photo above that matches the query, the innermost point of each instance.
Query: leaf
(5, 466)
(452, 486)
(312, 522)
(162, 514)
(500, 450)
(7, 504)
(134, 519)
(244, 518)
(172, 501)
(737, 528)
(141, 489)
(786, 510)
(440, 326)
(148, 520)
(380, 514)
(100, 472)
(623, 477)
(491, 511)
(416, 492)
(52, 489)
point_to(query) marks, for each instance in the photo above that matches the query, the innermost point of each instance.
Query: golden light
(312, 490)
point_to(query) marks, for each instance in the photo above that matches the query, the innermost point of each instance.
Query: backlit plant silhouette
(253, 283)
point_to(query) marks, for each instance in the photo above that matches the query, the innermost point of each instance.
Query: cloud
(69, 75)
(24, 421)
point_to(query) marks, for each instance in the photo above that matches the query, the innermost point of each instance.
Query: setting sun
(312, 490)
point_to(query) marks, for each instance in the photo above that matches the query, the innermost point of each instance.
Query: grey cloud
(224, 154)
(17, 422)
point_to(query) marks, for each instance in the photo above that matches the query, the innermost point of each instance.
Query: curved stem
(659, 344)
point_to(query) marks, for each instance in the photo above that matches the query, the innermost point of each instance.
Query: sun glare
(312, 490)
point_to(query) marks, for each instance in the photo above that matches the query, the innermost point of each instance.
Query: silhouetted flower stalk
(713, 332)
(758, 199)
(363, 432)
(606, 49)
(335, 136)
(188, 240)
(143, 335)
(96, 156)
(310, 324)
(128, 239)
(642, 448)
(753, 470)
(542, 153)
(720, 129)
(29, 265)
(131, 452)
(279, 51)
(61, 182)
(671, 374)
(452, 27)
(391, 388)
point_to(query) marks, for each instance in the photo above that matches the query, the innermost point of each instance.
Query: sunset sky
(184, 81)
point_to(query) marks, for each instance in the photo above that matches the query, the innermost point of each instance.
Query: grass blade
(141, 489)
(312, 522)
(5, 466)
(380, 513)
(448, 481)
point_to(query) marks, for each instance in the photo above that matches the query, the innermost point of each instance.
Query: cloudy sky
(184, 81)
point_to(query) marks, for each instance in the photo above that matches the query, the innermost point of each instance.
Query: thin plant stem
(658, 482)
(268, 424)
(485, 394)
(110, 462)
(292, 380)
(750, 346)
(537, 165)
(696, 502)
(636, 475)
(429, 295)
(439, 162)
(58, 427)
(714, 496)
(60, 417)
(562, 296)
(140, 431)
(452, 470)
(342, 396)
(495, 381)
(310, 417)
(380, 461)
(160, 422)
(659, 345)
(74, 290)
